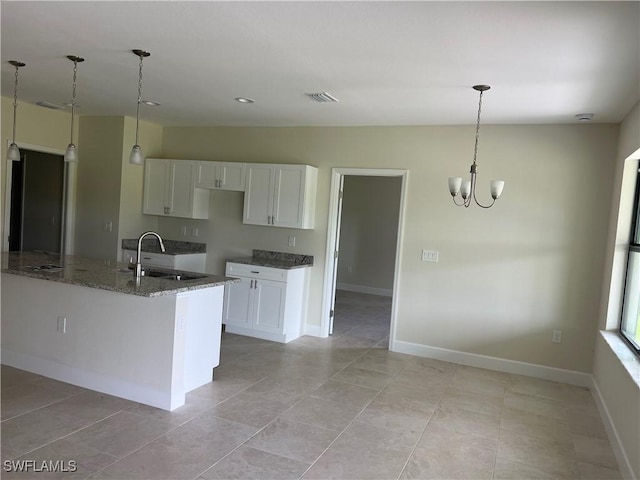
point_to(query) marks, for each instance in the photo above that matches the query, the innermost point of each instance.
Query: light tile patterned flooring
(342, 408)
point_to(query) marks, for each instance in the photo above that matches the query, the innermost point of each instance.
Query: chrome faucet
(138, 266)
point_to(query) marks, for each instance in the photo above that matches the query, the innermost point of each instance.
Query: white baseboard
(383, 292)
(313, 330)
(612, 432)
(493, 363)
(92, 380)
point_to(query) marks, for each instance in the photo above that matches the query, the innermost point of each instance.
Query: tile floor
(342, 408)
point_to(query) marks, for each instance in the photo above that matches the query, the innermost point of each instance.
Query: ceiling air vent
(322, 97)
(50, 105)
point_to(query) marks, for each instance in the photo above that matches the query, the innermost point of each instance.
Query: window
(630, 324)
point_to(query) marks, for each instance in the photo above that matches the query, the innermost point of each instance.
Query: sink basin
(180, 277)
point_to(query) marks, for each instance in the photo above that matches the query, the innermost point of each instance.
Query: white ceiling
(389, 63)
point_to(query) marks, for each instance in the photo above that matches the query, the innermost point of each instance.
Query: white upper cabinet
(170, 189)
(221, 176)
(280, 195)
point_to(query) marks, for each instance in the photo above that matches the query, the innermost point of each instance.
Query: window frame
(634, 246)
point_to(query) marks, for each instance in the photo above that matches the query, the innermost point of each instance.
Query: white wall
(368, 233)
(618, 388)
(507, 277)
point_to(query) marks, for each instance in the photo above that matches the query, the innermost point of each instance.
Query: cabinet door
(231, 176)
(207, 175)
(288, 199)
(258, 195)
(268, 304)
(181, 187)
(237, 303)
(156, 181)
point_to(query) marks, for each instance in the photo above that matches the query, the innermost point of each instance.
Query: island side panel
(114, 343)
(199, 312)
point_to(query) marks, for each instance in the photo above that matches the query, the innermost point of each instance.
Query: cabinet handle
(217, 183)
(166, 210)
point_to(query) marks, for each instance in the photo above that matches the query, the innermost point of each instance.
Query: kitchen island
(89, 323)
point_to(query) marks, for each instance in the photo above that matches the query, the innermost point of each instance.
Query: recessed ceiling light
(585, 117)
(244, 100)
(151, 103)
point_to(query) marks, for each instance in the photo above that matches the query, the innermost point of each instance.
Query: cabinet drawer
(254, 271)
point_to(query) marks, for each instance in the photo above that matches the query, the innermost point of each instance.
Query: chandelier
(467, 188)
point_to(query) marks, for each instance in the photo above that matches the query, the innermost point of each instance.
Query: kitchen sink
(164, 275)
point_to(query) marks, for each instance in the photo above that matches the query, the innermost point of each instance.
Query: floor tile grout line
(48, 404)
(425, 427)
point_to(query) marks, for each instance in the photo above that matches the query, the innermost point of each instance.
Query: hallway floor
(340, 408)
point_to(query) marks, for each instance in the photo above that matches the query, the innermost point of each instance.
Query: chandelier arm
(479, 204)
(458, 204)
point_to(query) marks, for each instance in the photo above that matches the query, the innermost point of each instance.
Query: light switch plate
(430, 255)
(292, 241)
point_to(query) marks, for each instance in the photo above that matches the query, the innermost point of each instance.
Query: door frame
(329, 291)
(69, 200)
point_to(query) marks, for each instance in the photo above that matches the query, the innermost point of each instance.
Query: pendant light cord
(475, 148)
(139, 99)
(73, 95)
(15, 103)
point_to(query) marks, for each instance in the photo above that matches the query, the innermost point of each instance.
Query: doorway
(366, 213)
(37, 202)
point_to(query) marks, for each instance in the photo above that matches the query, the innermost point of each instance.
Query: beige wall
(98, 189)
(109, 188)
(507, 276)
(369, 231)
(36, 126)
(619, 390)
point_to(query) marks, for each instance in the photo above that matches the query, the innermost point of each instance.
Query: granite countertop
(101, 274)
(266, 258)
(172, 247)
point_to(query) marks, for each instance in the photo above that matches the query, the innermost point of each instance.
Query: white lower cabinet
(267, 303)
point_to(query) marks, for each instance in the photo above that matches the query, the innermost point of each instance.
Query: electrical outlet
(557, 336)
(62, 325)
(195, 231)
(183, 229)
(430, 255)
(292, 241)
(349, 269)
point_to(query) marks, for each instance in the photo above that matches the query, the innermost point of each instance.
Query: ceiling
(389, 63)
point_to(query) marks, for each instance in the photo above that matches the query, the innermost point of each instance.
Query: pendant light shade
(467, 188)
(71, 153)
(13, 153)
(136, 157)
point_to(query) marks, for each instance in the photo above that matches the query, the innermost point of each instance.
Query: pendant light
(71, 154)
(136, 157)
(468, 187)
(13, 153)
